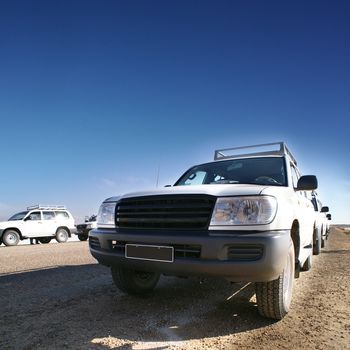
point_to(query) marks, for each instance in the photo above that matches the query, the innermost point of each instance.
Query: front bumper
(237, 256)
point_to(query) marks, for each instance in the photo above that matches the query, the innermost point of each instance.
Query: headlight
(250, 210)
(105, 215)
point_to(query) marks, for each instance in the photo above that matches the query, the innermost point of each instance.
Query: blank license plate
(149, 252)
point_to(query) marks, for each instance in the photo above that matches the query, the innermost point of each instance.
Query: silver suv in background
(42, 222)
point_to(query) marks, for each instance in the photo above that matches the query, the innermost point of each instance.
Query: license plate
(149, 252)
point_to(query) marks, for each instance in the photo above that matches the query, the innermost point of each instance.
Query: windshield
(18, 216)
(261, 171)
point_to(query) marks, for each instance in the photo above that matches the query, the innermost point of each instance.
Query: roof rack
(275, 148)
(47, 207)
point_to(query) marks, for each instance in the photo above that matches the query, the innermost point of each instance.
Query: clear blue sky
(96, 95)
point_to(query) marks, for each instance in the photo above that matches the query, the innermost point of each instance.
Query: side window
(295, 176)
(48, 215)
(62, 215)
(35, 215)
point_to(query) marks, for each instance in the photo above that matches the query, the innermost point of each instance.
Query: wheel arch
(13, 229)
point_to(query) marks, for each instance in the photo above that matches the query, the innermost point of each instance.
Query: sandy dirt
(56, 296)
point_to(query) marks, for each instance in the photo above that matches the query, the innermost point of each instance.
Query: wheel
(134, 281)
(323, 242)
(45, 240)
(61, 235)
(82, 237)
(317, 242)
(10, 238)
(274, 297)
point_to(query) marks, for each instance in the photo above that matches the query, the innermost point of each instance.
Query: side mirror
(329, 216)
(307, 183)
(324, 210)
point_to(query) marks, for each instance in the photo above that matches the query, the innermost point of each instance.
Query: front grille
(184, 251)
(245, 252)
(81, 226)
(94, 243)
(178, 212)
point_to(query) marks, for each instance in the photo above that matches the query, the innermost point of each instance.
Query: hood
(213, 190)
(9, 223)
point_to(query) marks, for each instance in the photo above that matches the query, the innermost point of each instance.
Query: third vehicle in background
(322, 224)
(84, 229)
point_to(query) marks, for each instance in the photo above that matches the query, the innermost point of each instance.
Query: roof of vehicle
(266, 149)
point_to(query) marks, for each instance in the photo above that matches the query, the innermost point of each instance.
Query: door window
(295, 177)
(62, 215)
(35, 215)
(49, 215)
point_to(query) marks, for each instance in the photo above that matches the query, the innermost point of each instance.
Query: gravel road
(55, 296)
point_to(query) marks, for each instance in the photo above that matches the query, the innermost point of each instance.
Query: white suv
(40, 222)
(322, 223)
(244, 217)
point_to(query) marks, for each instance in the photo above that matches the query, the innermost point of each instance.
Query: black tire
(134, 282)
(323, 242)
(62, 235)
(82, 237)
(274, 297)
(317, 242)
(45, 240)
(10, 238)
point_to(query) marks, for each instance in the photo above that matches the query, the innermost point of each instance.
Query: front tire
(134, 282)
(62, 235)
(10, 238)
(274, 297)
(45, 240)
(83, 237)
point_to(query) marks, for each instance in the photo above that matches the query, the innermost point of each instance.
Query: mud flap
(297, 269)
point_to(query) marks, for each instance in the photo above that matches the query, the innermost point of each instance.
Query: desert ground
(55, 296)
